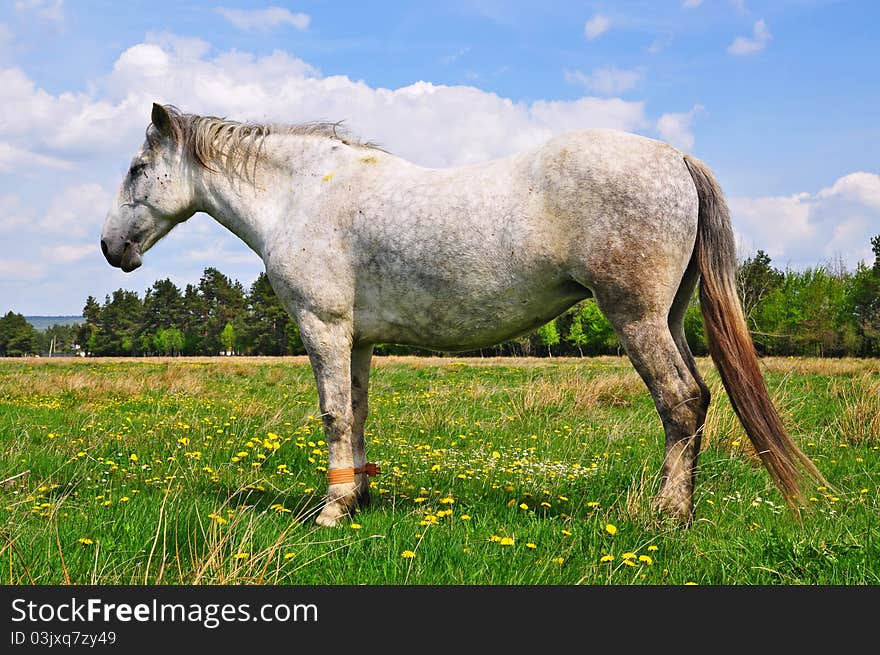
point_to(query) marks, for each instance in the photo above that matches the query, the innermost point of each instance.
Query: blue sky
(779, 98)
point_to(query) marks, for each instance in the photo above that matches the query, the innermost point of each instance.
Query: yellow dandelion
(465, 517)
(355, 526)
(407, 554)
(652, 547)
(289, 555)
(217, 518)
(629, 562)
(566, 533)
(241, 556)
(86, 541)
(607, 558)
(133, 457)
(531, 546)
(523, 506)
(506, 541)
(611, 529)
(447, 501)
(628, 556)
(646, 559)
(558, 560)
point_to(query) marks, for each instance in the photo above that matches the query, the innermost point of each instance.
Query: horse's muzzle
(128, 259)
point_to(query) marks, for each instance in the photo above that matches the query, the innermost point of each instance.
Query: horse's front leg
(360, 379)
(329, 346)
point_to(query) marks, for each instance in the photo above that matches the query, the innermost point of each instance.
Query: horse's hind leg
(360, 379)
(677, 396)
(676, 327)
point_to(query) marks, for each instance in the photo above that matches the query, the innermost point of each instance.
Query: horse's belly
(453, 322)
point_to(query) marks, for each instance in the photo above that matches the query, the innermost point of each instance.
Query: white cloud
(659, 44)
(691, 4)
(743, 45)
(22, 270)
(596, 26)
(50, 10)
(421, 121)
(607, 81)
(183, 47)
(262, 20)
(809, 229)
(14, 215)
(76, 212)
(66, 253)
(14, 159)
(676, 127)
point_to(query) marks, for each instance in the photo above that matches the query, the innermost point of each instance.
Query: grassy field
(513, 471)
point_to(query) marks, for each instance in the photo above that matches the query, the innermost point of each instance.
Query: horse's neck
(250, 205)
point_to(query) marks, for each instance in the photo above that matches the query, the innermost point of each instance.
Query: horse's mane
(218, 143)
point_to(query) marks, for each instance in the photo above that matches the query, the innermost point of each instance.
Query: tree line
(819, 311)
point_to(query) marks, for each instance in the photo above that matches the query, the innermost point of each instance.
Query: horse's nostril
(104, 247)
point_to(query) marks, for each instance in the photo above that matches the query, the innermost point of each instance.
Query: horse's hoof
(341, 499)
(681, 511)
(328, 518)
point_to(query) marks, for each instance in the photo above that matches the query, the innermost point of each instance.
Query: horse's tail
(731, 346)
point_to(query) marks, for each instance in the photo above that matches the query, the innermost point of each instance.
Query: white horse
(363, 247)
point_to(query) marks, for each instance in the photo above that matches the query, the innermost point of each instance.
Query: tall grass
(495, 471)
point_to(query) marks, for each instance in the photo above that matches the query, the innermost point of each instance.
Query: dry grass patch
(859, 422)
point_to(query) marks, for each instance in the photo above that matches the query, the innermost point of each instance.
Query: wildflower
(611, 529)
(506, 541)
(241, 556)
(289, 555)
(531, 546)
(523, 506)
(652, 547)
(217, 518)
(86, 541)
(607, 558)
(566, 533)
(558, 560)
(465, 517)
(628, 556)
(133, 457)
(646, 559)
(447, 501)
(407, 554)
(355, 526)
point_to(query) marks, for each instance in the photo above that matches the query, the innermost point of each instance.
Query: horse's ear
(162, 120)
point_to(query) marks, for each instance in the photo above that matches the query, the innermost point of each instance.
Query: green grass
(211, 471)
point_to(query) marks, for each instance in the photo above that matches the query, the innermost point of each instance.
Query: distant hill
(41, 323)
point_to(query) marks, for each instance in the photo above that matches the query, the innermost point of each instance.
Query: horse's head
(156, 194)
